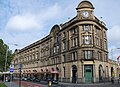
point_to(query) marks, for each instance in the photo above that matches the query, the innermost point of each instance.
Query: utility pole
(5, 63)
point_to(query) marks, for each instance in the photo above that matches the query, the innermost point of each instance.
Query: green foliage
(2, 85)
(3, 50)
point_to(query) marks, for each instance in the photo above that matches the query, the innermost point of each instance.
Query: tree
(3, 49)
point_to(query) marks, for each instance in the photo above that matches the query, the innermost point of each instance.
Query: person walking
(103, 77)
(113, 77)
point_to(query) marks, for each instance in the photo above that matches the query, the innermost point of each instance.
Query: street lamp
(6, 59)
(5, 62)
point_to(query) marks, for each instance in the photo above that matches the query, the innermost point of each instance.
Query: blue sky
(26, 21)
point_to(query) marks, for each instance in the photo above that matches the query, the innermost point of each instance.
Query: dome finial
(85, 4)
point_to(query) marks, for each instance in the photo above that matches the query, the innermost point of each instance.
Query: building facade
(75, 51)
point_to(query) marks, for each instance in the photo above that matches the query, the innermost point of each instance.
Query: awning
(35, 71)
(54, 72)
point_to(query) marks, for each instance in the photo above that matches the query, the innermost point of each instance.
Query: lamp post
(6, 59)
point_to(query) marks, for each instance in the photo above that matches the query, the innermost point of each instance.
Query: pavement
(11, 84)
(23, 84)
(44, 84)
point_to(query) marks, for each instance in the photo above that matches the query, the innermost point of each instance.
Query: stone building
(75, 51)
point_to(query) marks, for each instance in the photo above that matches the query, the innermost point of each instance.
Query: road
(81, 85)
(89, 85)
(29, 84)
(41, 84)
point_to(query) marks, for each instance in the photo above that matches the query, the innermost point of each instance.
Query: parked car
(37, 80)
(53, 81)
(30, 78)
(24, 78)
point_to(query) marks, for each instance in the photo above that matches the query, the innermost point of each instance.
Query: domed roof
(56, 28)
(85, 4)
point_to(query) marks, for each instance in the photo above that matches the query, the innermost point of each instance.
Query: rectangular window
(37, 55)
(86, 40)
(64, 58)
(97, 29)
(105, 44)
(64, 35)
(88, 54)
(99, 55)
(83, 40)
(106, 57)
(55, 49)
(74, 56)
(56, 39)
(74, 31)
(104, 34)
(86, 27)
(74, 42)
(90, 37)
(64, 45)
(97, 41)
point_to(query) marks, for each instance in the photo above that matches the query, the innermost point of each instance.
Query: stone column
(83, 79)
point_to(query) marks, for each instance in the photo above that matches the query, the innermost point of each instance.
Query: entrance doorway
(100, 73)
(112, 71)
(74, 73)
(88, 73)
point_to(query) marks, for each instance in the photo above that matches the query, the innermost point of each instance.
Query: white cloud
(23, 23)
(22, 26)
(28, 22)
(114, 35)
(114, 41)
(51, 12)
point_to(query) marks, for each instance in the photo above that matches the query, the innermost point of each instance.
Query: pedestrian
(118, 78)
(113, 76)
(103, 79)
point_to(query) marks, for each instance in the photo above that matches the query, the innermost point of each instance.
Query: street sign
(11, 69)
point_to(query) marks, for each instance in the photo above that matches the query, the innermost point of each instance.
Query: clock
(85, 13)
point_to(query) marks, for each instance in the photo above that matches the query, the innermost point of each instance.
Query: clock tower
(85, 10)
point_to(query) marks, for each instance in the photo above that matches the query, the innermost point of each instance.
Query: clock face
(85, 14)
